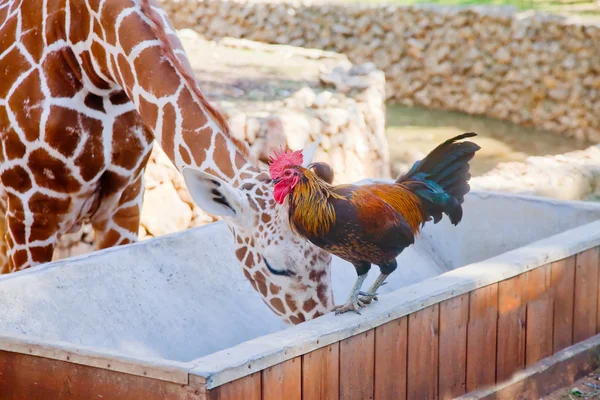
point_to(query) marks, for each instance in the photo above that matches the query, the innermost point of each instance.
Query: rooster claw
(350, 306)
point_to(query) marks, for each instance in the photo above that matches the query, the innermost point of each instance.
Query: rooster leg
(353, 304)
(371, 294)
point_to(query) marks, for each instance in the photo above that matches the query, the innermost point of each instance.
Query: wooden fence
(453, 347)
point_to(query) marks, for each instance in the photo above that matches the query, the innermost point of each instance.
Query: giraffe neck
(154, 72)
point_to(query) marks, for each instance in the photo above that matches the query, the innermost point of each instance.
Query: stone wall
(272, 96)
(530, 69)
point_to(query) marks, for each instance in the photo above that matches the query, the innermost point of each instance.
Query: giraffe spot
(239, 239)
(91, 160)
(259, 192)
(42, 254)
(94, 4)
(16, 178)
(12, 145)
(278, 305)
(63, 82)
(297, 319)
(41, 203)
(291, 303)
(88, 67)
(124, 70)
(109, 239)
(148, 111)
(274, 288)
(9, 31)
(66, 127)
(249, 261)
(12, 66)
(78, 12)
(132, 192)
(260, 280)
(185, 155)
(317, 314)
(57, 18)
(31, 25)
(51, 173)
(20, 259)
(198, 142)
(113, 183)
(316, 276)
(249, 277)
(261, 203)
(143, 32)
(192, 114)
(99, 55)
(240, 253)
(119, 97)
(127, 218)
(126, 146)
(322, 293)
(309, 305)
(168, 130)
(94, 102)
(16, 226)
(222, 155)
(161, 77)
(265, 218)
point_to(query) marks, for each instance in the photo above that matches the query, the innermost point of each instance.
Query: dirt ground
(587, 387)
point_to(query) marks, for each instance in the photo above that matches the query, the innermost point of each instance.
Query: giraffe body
(85, 88)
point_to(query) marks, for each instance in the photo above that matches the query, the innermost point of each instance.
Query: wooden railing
(461, 344)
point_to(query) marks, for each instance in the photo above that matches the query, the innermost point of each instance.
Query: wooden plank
(586, 295)
(423, 335)
(283, 381)
(24, 376)
(562, 281)
(551, 373)
(454, 317)
(481, 337)
(321, 373)
(391, 352)
(246, 388)
(357, 365)
(540, 302)
(512, 317)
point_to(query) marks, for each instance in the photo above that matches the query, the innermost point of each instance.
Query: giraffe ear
(212, 194)
(309, 152)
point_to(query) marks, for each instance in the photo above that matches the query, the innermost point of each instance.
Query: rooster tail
(441, 178)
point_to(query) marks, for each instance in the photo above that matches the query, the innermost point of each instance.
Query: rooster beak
(276, 181)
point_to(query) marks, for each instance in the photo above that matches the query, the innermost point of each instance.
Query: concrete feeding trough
(173, 317)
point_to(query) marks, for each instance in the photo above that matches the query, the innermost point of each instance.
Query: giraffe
(86, 88)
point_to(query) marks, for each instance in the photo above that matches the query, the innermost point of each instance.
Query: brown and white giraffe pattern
(85, 87)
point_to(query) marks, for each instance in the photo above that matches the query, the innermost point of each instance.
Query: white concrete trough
(177, 312)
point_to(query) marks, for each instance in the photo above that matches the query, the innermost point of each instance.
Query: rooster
(372, 224)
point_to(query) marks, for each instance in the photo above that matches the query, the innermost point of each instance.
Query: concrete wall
(182, 296)
(534, 70)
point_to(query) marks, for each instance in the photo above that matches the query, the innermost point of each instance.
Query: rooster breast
(372, 223)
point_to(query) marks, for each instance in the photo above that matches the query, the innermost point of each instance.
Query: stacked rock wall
(530, 69)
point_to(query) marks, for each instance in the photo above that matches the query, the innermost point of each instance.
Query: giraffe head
(292, 275)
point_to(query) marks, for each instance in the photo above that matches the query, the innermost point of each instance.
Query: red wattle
(280, 190)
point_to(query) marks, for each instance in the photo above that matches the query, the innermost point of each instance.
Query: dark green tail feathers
(441, 178)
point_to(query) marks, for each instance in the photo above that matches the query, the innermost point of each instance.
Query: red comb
(279, 161)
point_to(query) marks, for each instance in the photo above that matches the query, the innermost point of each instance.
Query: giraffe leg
(32, 230)
(121, 226)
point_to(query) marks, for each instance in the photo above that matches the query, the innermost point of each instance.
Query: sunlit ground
(413, 132)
